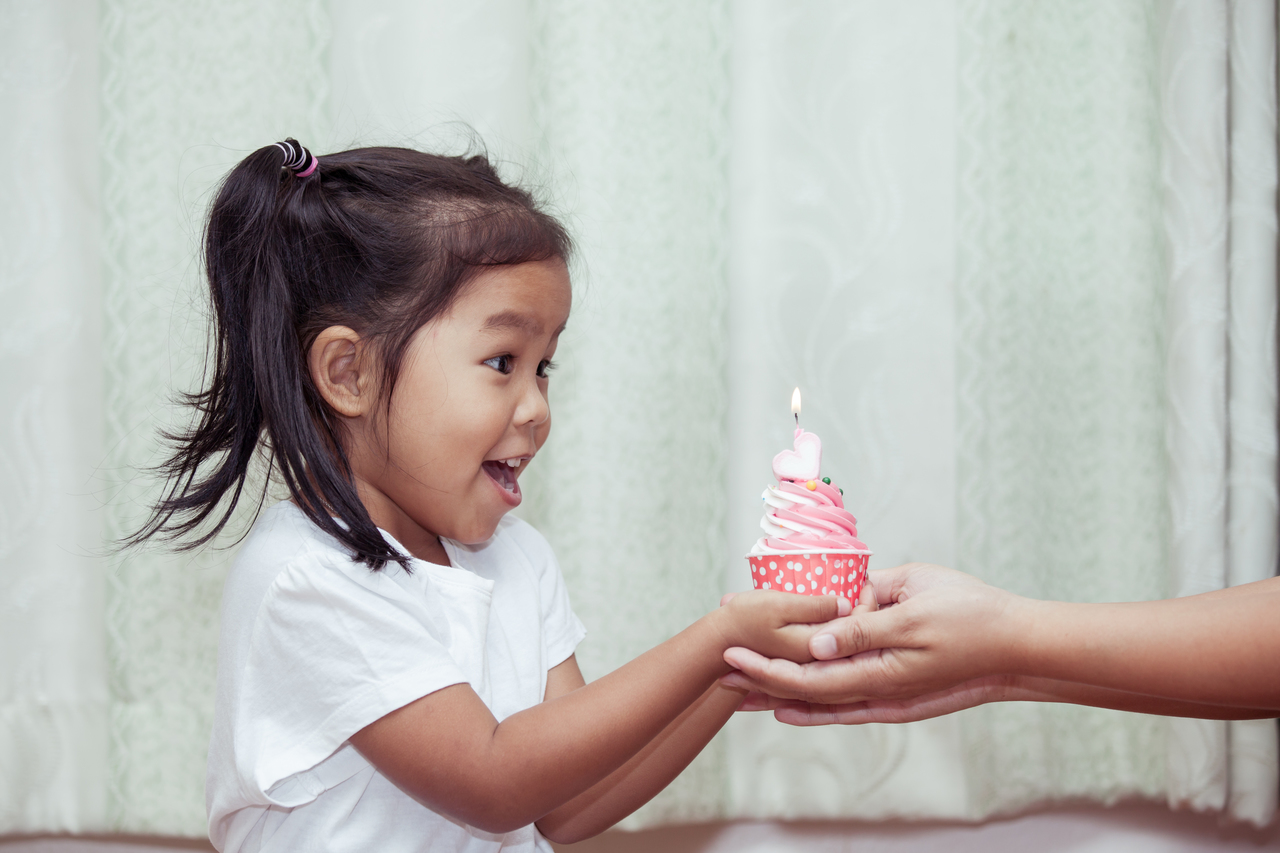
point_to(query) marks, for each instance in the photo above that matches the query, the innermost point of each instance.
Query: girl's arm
(647, 772)
(448, 752)
(652, 768)
(944, 630)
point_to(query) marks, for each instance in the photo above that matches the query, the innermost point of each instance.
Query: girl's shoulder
(284, 544)
(283, 535)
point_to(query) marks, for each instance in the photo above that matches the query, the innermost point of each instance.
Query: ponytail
(381, 240)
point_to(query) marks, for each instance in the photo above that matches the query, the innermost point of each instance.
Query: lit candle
(803, 461)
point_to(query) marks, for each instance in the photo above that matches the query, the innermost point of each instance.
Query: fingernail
(823, 646)
(843, 606)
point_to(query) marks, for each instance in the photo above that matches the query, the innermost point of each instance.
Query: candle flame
(795, 402)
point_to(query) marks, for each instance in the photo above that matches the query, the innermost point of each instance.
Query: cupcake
(811, 544)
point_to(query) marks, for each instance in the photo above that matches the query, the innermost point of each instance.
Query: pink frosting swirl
(798, 518)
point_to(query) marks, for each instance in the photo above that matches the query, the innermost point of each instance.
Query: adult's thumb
(851, 635)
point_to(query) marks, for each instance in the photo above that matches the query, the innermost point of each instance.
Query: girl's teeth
(514, 463)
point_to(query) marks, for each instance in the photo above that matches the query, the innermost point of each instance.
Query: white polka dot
(824, 590)
(766, 585)
(818, 570)
(806, 556)
(787, 587)
(809, 575)
(772, 564)
(850, 578)
(799, 587)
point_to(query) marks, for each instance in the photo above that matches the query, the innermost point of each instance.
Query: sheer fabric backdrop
(53, 683)
(1021, 259)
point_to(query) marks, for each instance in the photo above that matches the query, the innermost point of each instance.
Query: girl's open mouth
(505, 476)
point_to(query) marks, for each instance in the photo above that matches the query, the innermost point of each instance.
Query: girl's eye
(500, 363)
(544, 367)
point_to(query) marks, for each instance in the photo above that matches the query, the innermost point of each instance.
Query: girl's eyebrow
(512, 320)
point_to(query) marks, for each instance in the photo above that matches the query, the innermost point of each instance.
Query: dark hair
(378, 239)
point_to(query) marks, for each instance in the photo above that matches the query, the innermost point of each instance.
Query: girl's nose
(533, 409)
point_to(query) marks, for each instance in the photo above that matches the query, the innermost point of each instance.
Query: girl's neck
(417, 540)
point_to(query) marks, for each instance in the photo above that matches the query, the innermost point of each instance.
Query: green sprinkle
(842, 491)
(827, 480)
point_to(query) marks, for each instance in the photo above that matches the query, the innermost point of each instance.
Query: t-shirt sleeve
(561, 627)
(334, 648)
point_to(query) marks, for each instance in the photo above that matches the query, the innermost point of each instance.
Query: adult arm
(1003, 688)
(448, 752)
(947, 640)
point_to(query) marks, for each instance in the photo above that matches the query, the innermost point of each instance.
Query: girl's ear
(340, 370)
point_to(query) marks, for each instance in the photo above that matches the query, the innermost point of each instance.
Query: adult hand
(939, 635)
(979, 691)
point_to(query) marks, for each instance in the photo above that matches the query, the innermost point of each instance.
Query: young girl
(396, 664)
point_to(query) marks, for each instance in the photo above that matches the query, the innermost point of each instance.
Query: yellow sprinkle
(811, 485)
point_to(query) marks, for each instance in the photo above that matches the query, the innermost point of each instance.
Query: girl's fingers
(738, 681)
(757, 701)
(832, 681)
(726, 598)
(809, 714)
(809, 609)
(774, 676)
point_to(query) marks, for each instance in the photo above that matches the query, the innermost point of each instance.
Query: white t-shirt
(315, 646)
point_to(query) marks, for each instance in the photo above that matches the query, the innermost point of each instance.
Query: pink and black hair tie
(297, 159)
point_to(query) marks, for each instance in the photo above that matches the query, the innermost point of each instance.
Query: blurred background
(1020, 257)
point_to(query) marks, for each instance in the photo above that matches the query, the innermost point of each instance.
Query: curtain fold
(53, 689)
(1219, 138)
(1253, 523)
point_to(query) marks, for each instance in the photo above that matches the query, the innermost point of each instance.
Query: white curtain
(53, 684)
(1020, 256)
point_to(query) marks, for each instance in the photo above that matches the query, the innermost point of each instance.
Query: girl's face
(468, 412)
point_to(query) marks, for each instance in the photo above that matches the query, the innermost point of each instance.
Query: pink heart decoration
(804, 462)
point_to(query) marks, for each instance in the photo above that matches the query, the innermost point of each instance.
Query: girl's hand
(777, 624)
(941, 629)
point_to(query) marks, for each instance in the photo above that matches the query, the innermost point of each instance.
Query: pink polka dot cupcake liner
(818, 573)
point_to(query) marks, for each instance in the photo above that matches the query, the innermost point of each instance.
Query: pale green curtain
(53, 684)
(187, 89)
(1060, 359)
(951, 221)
